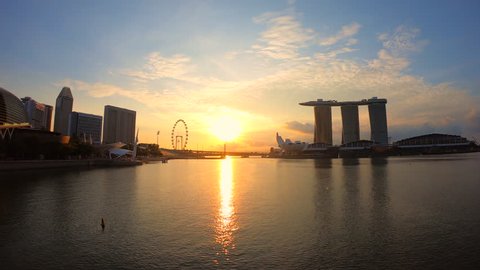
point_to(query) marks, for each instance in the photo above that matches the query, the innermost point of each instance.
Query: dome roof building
(12, 110)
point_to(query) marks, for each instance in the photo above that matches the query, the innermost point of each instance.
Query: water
(400, 213)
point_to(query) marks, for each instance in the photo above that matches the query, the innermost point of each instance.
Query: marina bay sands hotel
(350, 122)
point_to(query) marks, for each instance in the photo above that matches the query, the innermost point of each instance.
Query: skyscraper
(378, 123)
(39, 115)
(323, 124)
(350, 124)
(12, 110)
(118, 125)
(350, 120)
(85, 126)
(63, 108)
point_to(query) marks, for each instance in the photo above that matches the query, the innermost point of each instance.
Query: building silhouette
(14, 130)
(86, 127)
(323, 124)
(12, 110)
(39, 115)
(118, 125)
(63, 108)
(378, 122)
(350, 121)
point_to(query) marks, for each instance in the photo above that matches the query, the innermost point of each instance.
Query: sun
(226, 128)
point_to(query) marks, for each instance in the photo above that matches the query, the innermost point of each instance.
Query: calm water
(403, 213)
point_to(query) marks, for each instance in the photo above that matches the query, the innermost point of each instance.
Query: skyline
(210, 62)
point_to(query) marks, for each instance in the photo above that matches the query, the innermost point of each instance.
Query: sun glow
(226, 128)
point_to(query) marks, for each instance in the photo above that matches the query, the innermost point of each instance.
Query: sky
(235, 71)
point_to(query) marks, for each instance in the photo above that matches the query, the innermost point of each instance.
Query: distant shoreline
(15, 165)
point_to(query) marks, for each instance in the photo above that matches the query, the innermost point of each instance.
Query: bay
(395, 213)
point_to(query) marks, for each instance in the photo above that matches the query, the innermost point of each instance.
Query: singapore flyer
(179, 135)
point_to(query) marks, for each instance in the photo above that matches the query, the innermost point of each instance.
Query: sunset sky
(243, 66)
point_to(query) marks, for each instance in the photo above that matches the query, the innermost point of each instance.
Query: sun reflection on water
(226, 221)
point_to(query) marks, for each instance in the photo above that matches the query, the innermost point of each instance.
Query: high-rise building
(378, 122)
(350, 124)
(63, 108)
(85, 127)
(118, 125)
(323, 124)
(350, 120)
(12, 110)
(39, 115)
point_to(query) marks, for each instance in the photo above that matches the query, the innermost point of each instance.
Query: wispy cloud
(351, 41)
(402, 40)
(152, 99)
(159, 66)
(386, 62)
(97, 89)
(346, 32)
(306, 128)
(333, 53)
(283, 38)
(396, 48)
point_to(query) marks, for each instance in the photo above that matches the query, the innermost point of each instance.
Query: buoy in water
(103, 224)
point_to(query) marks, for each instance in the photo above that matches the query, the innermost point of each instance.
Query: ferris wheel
(179, 139)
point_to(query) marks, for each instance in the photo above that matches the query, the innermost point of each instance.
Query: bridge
(198, 154)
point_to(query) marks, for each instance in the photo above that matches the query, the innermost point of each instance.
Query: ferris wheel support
(174, 136)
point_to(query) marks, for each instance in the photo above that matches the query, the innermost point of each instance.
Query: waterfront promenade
(12, 165)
